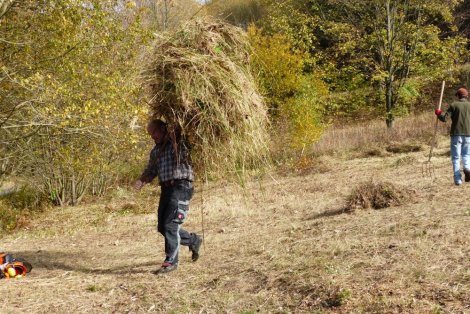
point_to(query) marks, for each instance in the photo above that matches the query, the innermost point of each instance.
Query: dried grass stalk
(200, 83)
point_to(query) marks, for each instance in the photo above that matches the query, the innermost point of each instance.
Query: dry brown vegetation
(374, 137)
(377, 195)
(199, 81)
(284, 244)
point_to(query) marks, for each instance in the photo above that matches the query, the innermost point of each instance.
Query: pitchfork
(428, 167)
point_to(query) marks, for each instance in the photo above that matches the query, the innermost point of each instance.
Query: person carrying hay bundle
(169, 160)
(459, 113)
(199, 82)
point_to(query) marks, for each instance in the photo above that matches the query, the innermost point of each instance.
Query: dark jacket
(459, 113)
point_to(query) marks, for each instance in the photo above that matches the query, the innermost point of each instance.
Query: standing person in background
(459, 113)
(169, 160)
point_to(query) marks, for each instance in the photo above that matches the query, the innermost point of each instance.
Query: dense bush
(70, 110)
(18, 207)
(295, 97)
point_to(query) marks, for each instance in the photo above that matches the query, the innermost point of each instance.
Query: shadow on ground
(82, 262)
(330, 213)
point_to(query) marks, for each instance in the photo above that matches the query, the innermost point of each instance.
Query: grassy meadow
(285, 243)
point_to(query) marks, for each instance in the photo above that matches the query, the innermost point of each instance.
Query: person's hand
(138, 185)
(437, 112)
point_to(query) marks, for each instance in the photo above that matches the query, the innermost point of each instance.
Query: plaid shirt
(164, 164)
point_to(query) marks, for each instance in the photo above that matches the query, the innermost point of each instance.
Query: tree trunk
(390, 121)
(389, 102)
(74, 190)
(165, 13)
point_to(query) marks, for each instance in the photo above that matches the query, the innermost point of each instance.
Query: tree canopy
(376, 56)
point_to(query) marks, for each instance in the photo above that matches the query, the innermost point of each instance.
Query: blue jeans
(459, 146)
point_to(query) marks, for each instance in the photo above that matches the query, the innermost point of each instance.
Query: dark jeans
(172, 212)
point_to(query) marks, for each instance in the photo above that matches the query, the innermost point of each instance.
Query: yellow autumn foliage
(70, 107)
(295, 98)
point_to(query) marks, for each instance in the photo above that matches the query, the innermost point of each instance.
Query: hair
(157, 123)
(462, 92)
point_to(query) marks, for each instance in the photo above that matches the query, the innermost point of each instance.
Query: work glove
(438, 112)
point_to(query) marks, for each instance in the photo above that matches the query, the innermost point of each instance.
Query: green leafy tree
(462, 17)
(70, 103)
(292, 19)
(295, 98)
(394, 46)
(282, 37)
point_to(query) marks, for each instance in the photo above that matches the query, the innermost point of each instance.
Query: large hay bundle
(200, 83)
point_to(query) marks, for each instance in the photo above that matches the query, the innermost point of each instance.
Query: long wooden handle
(433, 143)
(442, 93)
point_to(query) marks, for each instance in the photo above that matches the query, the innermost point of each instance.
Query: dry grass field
(286, 243)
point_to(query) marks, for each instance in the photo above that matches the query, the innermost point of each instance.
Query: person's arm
(149, 173)
(444, 116)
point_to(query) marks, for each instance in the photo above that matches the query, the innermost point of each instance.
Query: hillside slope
(281, 245)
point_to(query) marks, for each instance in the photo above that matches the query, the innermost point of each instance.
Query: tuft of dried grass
(405, 160)
(200, 83)
(319, 295)
(377, 195)
(400, 148)
(305, 165)
(368, 152)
